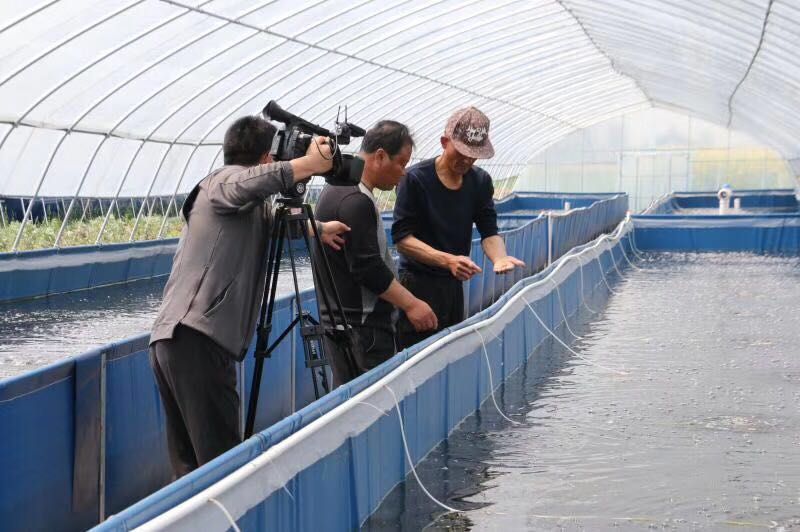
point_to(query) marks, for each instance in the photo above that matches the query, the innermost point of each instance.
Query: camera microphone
(273, 111)
(355, 130)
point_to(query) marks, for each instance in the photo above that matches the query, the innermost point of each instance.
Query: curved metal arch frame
(378, 67)
(141, 103)
(389, 73)
(196, 120)
(431, 111)
(340, 52)
(303, 50)
(615, 28)
(67, 40)
(169, 115)
(434, 94)
(29, 14)
(776, 114)
(217, 124)
(176, 4)
(491, 76)
(245, 104)
(438, 90)
(68, 130)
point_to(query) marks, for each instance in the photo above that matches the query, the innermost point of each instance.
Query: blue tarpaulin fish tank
(331, 463)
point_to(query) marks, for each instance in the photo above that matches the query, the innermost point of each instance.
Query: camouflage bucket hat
(468, 128)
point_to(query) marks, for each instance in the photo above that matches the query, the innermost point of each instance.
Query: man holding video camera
(437, 203)
(363, 270)
(211, 300)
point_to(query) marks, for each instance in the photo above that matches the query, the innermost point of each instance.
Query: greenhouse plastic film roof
(132, 97)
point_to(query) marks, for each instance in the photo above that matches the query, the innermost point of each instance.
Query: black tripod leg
(329, 278)
(309, 349)
(278, 238)
(265, 319)
(326, 264)
(352, 369)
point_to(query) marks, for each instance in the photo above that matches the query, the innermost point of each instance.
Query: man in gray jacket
(212, 297)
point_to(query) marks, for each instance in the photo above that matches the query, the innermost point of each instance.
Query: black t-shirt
(440, 217)
(364, 268)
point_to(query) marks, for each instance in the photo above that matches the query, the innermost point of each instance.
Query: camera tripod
(292, 218)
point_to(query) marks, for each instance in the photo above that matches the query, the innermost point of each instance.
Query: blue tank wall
(767, 234)
(29, 274)
(55, 414)
(530, 242)
(344, 485)
(40, 273)
(677, 201)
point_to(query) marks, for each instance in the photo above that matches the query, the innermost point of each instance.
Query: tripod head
(291, 202)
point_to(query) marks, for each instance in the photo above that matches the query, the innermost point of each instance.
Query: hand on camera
(461, 267)
(320, 155)
(331, 234)
(421, 316)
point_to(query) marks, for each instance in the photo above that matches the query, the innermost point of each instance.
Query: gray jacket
(217, 277)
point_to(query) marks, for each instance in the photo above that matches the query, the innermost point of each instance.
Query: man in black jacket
(211, 300)
(437, 203)
(364, 271)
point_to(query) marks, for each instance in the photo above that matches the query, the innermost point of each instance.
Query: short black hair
(387, 134)
(247, 140)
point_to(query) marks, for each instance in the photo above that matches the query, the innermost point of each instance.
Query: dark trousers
(197, 382)
(373, 347)
(445, 295)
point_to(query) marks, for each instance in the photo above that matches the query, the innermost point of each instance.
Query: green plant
(42, 235)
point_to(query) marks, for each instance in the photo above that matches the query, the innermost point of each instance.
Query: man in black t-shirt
(437, 203)
(363, 270)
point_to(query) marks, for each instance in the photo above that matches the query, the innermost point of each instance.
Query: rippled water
(703, 432)
(41, 331)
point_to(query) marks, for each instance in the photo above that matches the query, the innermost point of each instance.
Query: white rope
(564, 314)
(634, 247)
(225, 511)
(491, 380)
(381, 412)
(614, 262)
(624, 254)
(583, 299)
(603, 274)
(618, 372)
(285, 487)
(408, 454)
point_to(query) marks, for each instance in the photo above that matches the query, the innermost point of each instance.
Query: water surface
(41, 331)
(702, 433)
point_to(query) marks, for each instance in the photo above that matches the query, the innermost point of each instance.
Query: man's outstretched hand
(331, 234)
(507, 263)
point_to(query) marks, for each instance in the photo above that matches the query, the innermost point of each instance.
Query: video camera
(293, 142)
